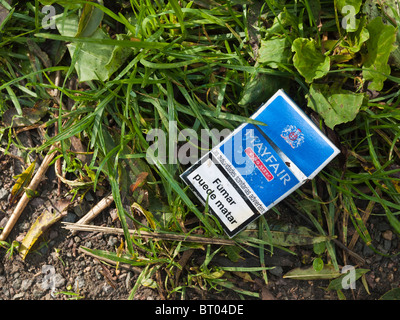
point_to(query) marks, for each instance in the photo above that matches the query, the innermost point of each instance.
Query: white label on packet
(210, 183)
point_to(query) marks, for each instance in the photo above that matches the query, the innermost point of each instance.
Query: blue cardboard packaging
(255, 167)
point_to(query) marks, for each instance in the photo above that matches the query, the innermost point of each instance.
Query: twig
(94, 212)
(152, 235)
(24, 199)
(350, 252)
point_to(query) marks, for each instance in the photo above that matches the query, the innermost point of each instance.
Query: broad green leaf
(92, 58)
(283, 20)
(318, 264)
(336, 284)
(379, 45)
(391, 10)
(335, 106)
(341, 295)
(42, 223)
(274, 51)
(22, 182)
(95, 61)
(118, 56)
(309, 61)
(356, 4)
(319, 248)
(328, 272)
(393, 294)
(89, 21)
(355, 40)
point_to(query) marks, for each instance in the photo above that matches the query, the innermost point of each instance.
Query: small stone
(81, 210)
(112, 241)
(277, 271)
(19, 295)
(107, 289)
(79, 283)
(387, 235)
(3, 222)
(87, 269)
(36, 202)
(367, 252)
(88, 244)
(128, 280)
(77, 239)
(37, 294)
(386, 245)
(58, 280)
(98, 275)
(3, 194)
(17, 284)
(24, 226)
(26, 284)
(70, 217)
(89, 197)
(53, 234)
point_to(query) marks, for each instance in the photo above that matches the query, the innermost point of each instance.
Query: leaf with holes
(336, 106)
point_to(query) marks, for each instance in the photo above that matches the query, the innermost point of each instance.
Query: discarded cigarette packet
(255, 167)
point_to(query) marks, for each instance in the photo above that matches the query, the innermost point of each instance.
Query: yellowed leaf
(149, 216)
(22, 182)
(42, 223)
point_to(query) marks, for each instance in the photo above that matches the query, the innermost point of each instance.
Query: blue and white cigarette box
(255, 167)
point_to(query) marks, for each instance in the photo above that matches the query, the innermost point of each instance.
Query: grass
(194, 63)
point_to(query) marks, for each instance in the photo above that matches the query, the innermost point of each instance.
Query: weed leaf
(393, 294)
(379, 45)
(274, 52)
(94, 61)
(327, 272)
(336, 284)
(335, 106)
(309, 60)
(89, 21)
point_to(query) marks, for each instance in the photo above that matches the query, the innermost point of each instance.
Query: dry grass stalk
(152, 235)
(23, 201)
(95, 211)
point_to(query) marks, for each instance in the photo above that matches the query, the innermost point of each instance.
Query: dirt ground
(57, 256)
